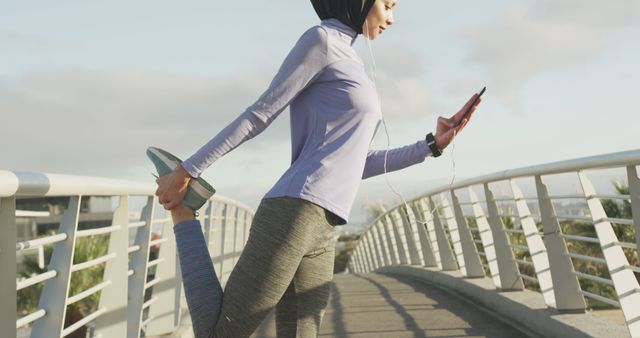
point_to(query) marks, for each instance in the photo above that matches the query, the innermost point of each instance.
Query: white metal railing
(519, 240)
(122, 310)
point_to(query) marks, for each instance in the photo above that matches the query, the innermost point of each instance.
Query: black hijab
(352, 13)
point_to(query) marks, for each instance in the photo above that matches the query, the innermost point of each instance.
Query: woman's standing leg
(287, 313)
(299, 313)
(284, 229)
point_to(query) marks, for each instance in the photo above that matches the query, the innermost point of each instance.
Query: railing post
(410, 235)
(223, 241)
(165, 310)
(395, 227)
(446, 254)
(634, 191)
(537, 250)
(486, 237)
(386, 258)
(209, 218)
(236, 230)
(378, 245)
(472, 264)
(54, 292)
(430, 230)
(369, 252)
(139, 262)
(623, 278)
(507, 267)
(359, 259)
(355, 259)
(247, 227)
(113, 323)
(413, 224)
(8, 294)
(566, 287)
(454, 234)
(366, 267)
(423, 236)
(366, 254)
(393, 249)
(366, 263)
(216, 240)
(375, 250)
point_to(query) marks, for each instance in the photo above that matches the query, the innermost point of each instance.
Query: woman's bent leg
(201, 286)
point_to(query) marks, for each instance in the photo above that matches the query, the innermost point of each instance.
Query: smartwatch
(431, 142)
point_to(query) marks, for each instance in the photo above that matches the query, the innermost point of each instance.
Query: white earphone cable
(453, 162)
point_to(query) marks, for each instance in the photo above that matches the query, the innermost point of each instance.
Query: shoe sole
(199, 190)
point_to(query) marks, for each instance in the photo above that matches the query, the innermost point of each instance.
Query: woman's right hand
(173, 187)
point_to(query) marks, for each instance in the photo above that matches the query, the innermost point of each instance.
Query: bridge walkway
(375, 305)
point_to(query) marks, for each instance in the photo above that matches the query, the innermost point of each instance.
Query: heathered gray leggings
(287, 263)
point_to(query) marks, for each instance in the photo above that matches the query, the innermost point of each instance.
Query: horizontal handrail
(88, 292)
(157, 241)
(36, 279)
(25, 184)
(631, 157)
(97, 231)
(155, 262)
(587, 258)
(30, 318)
(34, 243)
(149, 302)
(594, 278)
(93, 262)
(132, 225)
(600, 298)
(582, 238)
(32, 214)
(82, 322)
(529, 278)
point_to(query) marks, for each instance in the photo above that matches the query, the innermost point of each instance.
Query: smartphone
(471, 106)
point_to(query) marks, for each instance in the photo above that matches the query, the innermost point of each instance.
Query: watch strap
(431, 142)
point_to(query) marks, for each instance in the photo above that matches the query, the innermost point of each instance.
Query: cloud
(19, 42)
(548, 35)
(103, 120)
(403, 90)
(603, 15)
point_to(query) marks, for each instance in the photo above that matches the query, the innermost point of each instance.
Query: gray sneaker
(198, 192)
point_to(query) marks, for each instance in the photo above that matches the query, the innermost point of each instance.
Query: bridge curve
(516, 239)
(492, 252)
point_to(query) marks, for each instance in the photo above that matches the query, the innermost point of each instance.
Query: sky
(86, 87)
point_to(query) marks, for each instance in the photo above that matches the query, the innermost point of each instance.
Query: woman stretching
(287, 263)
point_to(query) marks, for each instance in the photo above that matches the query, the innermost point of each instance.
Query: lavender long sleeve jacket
(335, 112)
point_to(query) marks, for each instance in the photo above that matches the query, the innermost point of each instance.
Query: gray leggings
(287, 263)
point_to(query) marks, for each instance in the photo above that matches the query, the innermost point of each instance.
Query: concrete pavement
(375, 305)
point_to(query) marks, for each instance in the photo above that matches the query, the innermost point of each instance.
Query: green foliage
(614, 209)
(341, 260)
(86, 249)
(375, 210)
(342, 256)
